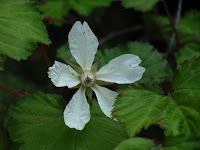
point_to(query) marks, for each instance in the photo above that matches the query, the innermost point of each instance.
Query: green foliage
(189, 33)
(136, 143)
(21, 27)
(174, 143)
(38, 122)
(152, 60)
(8, 99)
(60, 8)
(177, 112)
(140, 5)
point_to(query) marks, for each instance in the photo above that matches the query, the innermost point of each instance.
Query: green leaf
(7, 99)
(21, 27)
(152, 60)
(177, 112)
(38, 122)
(136, 143)
(140, 5)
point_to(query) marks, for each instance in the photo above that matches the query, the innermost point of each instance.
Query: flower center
(87, 78)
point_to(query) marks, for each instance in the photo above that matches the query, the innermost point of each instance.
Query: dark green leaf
(140, 5)
(182, 142)
(38, 122)
(21, 27)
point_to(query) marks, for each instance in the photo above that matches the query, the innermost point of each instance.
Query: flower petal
(122, 69)
(77, 111)
(83, 44)
(106, 99)
(63, 75)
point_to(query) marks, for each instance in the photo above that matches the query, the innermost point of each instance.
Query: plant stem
(179, 44)
(58, 20)
(118, 33)
(21, 93)
(178, 14)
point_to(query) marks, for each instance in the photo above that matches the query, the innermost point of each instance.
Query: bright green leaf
(178, 112)
(136, 143)
(140, 5)
(21, 27)
(38, 122)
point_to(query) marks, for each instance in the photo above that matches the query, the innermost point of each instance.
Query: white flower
(83, 46)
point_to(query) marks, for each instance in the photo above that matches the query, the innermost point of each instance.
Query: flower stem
(18, 93)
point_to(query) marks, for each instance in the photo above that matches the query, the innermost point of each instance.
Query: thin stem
(21, 93)
(46, 58)
(178, 14)
(58, 20)
(178, 41)
(118, 33)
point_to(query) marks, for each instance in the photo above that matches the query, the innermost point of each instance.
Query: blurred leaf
(38, 122)
(85, 7)
(63, 53)
(60, 8)
(3, 141)
(140, 5)
(21, 28)
(55, 8)
(178, 112)
(189, 33)
(136, 143)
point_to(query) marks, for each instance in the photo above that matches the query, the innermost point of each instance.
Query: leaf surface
(38, 122)
(21, 27)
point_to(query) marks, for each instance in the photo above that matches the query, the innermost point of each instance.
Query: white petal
(77, 111)
(122, 69)
(63, 75)
(106, 99)
(83, 44)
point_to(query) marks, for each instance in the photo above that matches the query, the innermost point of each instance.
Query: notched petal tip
(63, 75)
